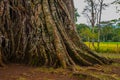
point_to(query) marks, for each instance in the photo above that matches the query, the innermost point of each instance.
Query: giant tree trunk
(42, 33)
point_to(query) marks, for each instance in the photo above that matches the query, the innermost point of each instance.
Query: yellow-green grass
(106, 47)
(110, 55)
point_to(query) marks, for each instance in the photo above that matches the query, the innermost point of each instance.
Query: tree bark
(42, 33)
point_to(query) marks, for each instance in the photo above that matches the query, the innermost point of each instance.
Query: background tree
(93, 12)
(102, 6)
(117, 4)
(110, 31)
(107, 33)
(42, 32)
(85, 32)
(90, 13)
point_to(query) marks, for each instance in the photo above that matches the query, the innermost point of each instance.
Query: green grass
(106, 47)
(110, 42)
(110, 55)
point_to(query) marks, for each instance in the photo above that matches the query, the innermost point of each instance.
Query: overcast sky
(108, 14)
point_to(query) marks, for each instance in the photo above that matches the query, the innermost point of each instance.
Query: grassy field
(106, 47)
(110, 55)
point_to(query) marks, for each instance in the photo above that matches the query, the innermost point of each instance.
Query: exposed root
(42, 33)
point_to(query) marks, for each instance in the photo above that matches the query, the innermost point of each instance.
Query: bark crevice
(42, 33)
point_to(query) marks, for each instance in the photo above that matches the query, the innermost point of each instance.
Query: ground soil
(23, 72)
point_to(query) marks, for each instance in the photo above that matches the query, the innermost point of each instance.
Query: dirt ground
(23, 72)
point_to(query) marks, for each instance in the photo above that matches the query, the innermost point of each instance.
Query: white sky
(108, 14)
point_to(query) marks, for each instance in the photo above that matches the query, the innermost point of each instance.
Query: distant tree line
(110, 32)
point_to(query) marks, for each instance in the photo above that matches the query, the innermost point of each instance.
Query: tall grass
(106, 47)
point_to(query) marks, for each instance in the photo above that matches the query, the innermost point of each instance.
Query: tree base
(42, 33)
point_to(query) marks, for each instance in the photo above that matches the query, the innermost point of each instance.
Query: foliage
(76, 15)
(85, 32)
(93, 12)
(110, 31)
(117, 4)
